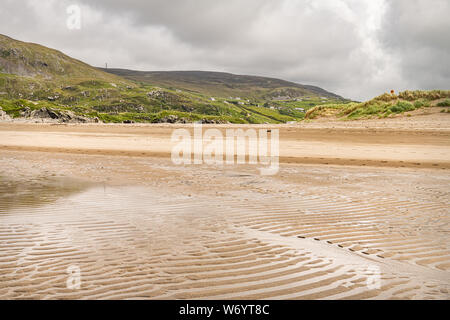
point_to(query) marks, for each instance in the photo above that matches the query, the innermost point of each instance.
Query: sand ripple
(133, 242)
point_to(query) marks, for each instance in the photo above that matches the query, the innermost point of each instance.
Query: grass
(382, 106)
(445, 103)
(222, 85)
(125, 101)
(118, 102)
(34, 76)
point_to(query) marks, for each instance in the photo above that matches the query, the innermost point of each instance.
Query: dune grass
(382, 106)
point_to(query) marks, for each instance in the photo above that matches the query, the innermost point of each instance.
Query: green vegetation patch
(445, 103)
(381, 106)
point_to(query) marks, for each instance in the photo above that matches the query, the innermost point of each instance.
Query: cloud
(415, 32)
(356, 48)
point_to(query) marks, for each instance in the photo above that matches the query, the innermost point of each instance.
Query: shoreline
(394, 143)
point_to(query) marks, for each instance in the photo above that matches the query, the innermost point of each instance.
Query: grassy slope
(383, 106)
(33, 76)
(117, 102)
(33, 60)
(224, 85)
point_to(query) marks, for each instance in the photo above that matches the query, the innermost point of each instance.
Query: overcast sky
(355, 48)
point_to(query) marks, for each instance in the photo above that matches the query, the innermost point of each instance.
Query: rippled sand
(139, 227)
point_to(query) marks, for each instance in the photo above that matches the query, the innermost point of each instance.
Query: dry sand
(351, 199)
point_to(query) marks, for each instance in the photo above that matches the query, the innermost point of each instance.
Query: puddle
(36, 192)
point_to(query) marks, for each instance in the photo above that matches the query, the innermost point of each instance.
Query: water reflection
(37, 191)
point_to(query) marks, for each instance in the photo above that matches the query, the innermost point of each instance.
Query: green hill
(225, 85)
(36, 81)
(33, 60)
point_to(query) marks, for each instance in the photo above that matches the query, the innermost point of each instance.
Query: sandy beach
(358, 210)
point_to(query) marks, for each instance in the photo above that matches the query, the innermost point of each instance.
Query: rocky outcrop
(175, 119)
(213, 121)
(163, 96)
(156, 94)
(64, 116)
(52, 98)
(4, 116)
(172, 119)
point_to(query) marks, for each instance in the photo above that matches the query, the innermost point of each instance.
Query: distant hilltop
(226, 85)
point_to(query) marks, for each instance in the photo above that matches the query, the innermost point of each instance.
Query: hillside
(41, 84)
(221, 84)
(33, 60)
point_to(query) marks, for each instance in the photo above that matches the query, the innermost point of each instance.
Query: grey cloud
(194, 21)
(416, 32)
(356, 48)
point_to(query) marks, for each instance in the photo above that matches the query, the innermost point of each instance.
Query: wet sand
(138, 227)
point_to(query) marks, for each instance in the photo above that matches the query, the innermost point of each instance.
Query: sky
(355, 48)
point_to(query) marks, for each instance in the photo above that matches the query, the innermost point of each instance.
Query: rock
(174, 119)
(213, 121)
(158, 93)
(44, 113)
(4, 116)
(26, 113)
(169, 119)
(64, 116)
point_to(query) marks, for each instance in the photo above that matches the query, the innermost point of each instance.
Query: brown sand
(95, 197)
(399, 142)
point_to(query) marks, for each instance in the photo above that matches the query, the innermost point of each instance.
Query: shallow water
(36, 192)
(139, 242)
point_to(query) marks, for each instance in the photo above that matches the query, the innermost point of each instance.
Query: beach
(357, 210)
